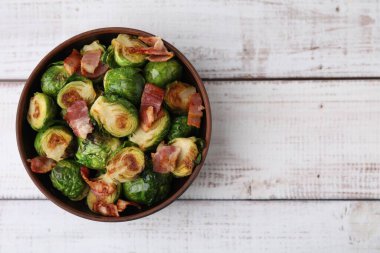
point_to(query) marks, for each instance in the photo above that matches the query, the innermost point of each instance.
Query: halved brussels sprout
(42, 109)
(109, 199)
(66, 178)
(74, 91)
(125, 82)
(122, 56)
(126, 164)
(54, 78)
(95, 45)
(177, 97)
(149, 188)
(151, 138)
(162, 73)
(94, 151)
(109, 58)
(180, 128)
(187, 156)
(56, 142)
(116, 115)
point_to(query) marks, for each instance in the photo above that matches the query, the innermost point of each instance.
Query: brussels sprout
(95, 45)
(187, 156)
(151, 138)
(116, 115)
(162, 73)
(125, 82)
(180, 128)
(74, 91)
(109, 58)
(56, 142)
(126, 164)
(53, 80)
(109, 199)
(42, 109)
(177, 97)
(66, 178)
(149, 188)
(94, 151)
(122, 56)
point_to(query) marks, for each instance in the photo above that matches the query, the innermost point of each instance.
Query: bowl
(25, 135)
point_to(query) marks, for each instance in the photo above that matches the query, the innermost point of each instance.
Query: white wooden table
(294, 164)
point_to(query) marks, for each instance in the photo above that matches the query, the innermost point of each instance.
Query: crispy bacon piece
(165, 158)
(123, 204)
(41, 164)
(78, 119)
(72, 62)
(106, 209)
(157, 51)
(90, 61)
(195, 110)
(99, 71)
(98, 187)
(151, 103)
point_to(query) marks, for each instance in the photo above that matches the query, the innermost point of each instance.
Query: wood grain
(271, 140)
(224, 39)
(198, 226)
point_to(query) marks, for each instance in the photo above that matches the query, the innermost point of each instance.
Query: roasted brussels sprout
(42, 109)
(126, 164)
(92, 198)
(149, 188)
(54, 78)
(56, 142)
(162, 73)
(187, 156)
(66, 178)
(74, 91)
(122, 56)
(116, 115)
(125, 82)
(94, 151)
(180, 128)
(109, 58)
(95, 45)
(151, 138)
(177, 97)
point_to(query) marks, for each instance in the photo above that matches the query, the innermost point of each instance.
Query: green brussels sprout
(95, 45)
(42, 110)
(187, 156)
(55, 142)
(122, 56)
(94, 151)
(109, 58)
(180, 128)
(177, 97)
(151, 138)
(66, 178)
(126, 164)
(54, 78)
(109, 199)
(162, 73)
(125, 82)
(116, 115)
(149, 188)
(74, 91)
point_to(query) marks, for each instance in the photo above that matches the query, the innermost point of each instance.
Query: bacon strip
(157, 51)
(99, 71)
(78, 119)
(151, 103)
(72, 62)
(123, 204)
(165, 158)
(41, 164)
(195, 110)
(90, 61)
(99, 187)
(106, 209)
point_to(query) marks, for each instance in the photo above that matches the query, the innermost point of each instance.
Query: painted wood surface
(198, 226)
(270, 140)
(224, 39)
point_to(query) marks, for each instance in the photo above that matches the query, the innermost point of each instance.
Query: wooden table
(294, 164)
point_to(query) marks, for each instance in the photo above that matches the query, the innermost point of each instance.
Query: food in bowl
(116, 125)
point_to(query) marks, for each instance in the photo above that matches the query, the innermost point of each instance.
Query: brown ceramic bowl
(25, 134)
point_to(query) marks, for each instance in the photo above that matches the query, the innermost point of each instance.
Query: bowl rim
(21, 107)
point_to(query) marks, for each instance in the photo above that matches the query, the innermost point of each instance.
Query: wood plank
(270, 140)
(224, 39)
(198, 226)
